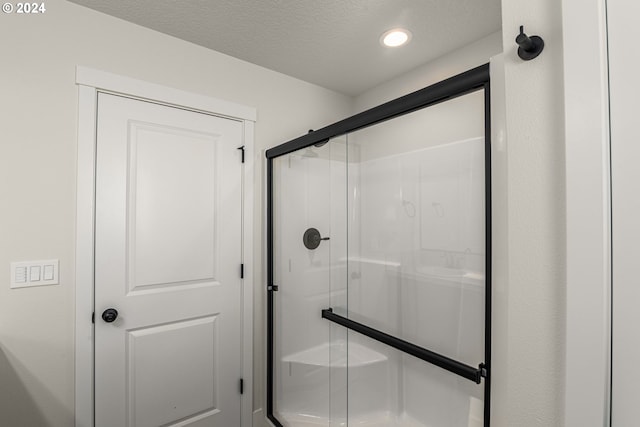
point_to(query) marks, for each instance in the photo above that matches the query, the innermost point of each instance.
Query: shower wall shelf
(474, 80)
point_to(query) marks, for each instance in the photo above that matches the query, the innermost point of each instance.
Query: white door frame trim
(90, 82)
(588, 192)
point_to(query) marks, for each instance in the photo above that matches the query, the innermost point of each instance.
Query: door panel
(188, 374)
(162, 250)
(168, 251)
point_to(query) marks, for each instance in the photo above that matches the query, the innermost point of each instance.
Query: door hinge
(242, 149)
(242, 271)
(273, 288)
(241, 386)
(93, 317)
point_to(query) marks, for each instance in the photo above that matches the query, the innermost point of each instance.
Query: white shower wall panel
(315, 197)
(437, 398)
(445, 315)
(303, 276)
(428, 199)
(419, 272)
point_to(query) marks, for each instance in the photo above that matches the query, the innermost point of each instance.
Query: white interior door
(167, 258)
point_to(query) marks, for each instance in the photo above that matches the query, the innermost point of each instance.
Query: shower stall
(379, 265)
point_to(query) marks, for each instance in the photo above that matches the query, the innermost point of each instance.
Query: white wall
(38, 111)
(625, 202)
(529, 345)
(588, 209)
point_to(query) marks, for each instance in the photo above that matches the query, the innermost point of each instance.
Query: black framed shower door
(474, 80)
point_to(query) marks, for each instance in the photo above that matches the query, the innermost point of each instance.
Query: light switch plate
(27, 274)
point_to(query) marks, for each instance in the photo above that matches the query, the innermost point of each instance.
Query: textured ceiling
(332, 43)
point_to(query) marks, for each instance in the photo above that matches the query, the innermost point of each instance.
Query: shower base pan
(379, 419)
(307, 407)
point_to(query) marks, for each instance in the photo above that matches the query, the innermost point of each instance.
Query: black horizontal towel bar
(466, 371)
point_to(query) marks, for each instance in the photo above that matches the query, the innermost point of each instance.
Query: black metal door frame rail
(453, 87)
(444, 362)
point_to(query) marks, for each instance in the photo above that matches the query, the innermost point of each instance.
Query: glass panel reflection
(417, 259)
(309, 193)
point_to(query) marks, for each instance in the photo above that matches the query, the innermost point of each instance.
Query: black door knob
(109, 315)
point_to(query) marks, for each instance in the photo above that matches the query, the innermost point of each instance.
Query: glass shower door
(309, 354)
(416, 264)
(379, 263)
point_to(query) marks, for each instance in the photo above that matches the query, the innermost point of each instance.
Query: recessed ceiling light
(396, 37)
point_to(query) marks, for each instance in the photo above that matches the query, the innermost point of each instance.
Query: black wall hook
(530, 47)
